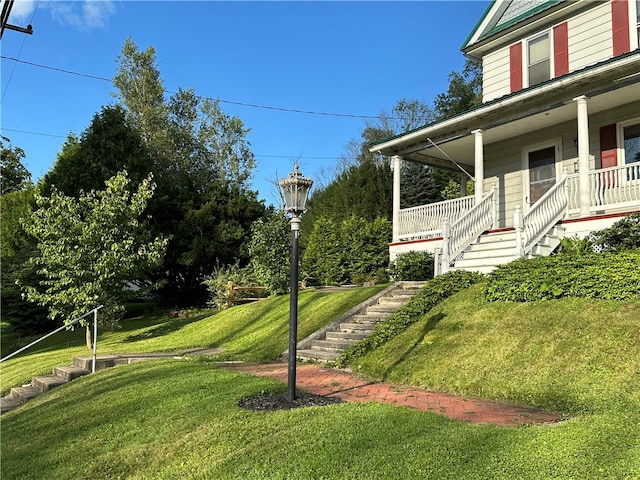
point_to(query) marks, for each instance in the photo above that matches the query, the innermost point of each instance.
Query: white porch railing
(612, 187)
(459, 235)
(425, 221)
(545, 213)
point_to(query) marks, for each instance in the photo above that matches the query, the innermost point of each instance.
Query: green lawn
(179, 419)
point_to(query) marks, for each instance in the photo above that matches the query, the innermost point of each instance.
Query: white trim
(620, 138)
(634, 25)
(429, 130)
(525, 56)
(557, 144)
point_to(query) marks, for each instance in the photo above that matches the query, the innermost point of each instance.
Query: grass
(179, 419)
(251, 332)
(572, 355)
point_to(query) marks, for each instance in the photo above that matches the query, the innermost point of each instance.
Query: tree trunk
(89, 337)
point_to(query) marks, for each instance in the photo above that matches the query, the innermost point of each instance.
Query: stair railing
(66, 325)
(461, 233)
(545, 213)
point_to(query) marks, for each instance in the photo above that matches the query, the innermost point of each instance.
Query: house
(554, 148)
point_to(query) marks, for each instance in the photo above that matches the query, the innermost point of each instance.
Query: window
(631, 139)
(539, 59)
(542, 172)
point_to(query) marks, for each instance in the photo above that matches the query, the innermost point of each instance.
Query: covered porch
(496, 145)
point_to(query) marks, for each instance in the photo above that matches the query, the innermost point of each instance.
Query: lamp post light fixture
(295, 190)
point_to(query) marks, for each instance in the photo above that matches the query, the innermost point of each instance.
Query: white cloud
(22, 11)
(83, 15)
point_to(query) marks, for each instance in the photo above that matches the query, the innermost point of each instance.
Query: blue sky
(347, 58)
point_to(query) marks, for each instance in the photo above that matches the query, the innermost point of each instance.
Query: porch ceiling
(532, 109)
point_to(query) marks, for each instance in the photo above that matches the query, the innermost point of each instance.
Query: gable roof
(502, 14)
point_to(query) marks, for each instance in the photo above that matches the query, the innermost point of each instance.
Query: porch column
(479, 166)
(583, 156)
(463, 185)
(395, 165)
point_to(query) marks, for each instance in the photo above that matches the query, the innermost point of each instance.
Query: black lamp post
(295, 189)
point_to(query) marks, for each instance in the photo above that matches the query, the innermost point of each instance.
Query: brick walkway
(350, 387)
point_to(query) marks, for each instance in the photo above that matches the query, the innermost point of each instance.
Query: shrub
(269, 249)
(352, 250)
(609, 276)
(430, 295)
(217, 283)
(622, 235)
(412, 266)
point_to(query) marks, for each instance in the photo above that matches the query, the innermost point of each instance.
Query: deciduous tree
(91, 248)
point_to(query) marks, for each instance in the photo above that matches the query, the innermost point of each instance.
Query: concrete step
(318, 355)
(24, 393)
(356, 327)
(331, 345)
(384, 308)
(347, 335)
(70, 372)
(45, 383)
(7, 404)
(395, 300)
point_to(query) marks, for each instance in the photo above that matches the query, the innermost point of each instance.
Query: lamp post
(295, 189)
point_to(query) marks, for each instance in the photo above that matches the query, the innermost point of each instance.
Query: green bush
(609, 276)
(217, 283)
(622, 235)
(353, 250)
(412, 266)
(269, 250)
(430, 295)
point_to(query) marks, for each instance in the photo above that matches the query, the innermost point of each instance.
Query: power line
(255, 154)
(230, 102)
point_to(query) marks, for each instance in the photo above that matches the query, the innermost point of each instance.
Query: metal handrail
(66, 325)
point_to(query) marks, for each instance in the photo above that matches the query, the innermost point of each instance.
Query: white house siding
(590, 36)
(495, 75)
(590, 41)
(504, 160)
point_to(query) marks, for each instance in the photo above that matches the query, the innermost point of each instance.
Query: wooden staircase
(496, 248)
(328, 343)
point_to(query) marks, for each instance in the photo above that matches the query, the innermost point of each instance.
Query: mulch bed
(279, 402)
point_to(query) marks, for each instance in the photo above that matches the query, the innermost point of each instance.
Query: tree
(464, 92)
(107, 146)
(13, 174)
(269, 250)
(91, 248)
(202, 163)
(16, 247)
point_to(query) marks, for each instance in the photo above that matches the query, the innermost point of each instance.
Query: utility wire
(230, 102)
(255, 154)
(24, 39)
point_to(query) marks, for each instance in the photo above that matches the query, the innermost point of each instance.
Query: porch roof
(607, 84)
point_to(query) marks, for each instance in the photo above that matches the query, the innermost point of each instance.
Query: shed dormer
(523, 43)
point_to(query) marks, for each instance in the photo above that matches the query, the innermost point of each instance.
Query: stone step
(356, 327)
(24, 393)
(330, 345)
(397, 301)
(45, 383)
(347, 335)
(70, 372)
(384, 308)
(318, 355)
(7, 404)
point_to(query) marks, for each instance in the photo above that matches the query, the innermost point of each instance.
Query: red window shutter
(515, 63)
(608, 146)
(561, 49)
(620, 25)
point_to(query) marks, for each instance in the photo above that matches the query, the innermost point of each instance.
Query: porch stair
(64, 374)
(492, 249)
(328, 343)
